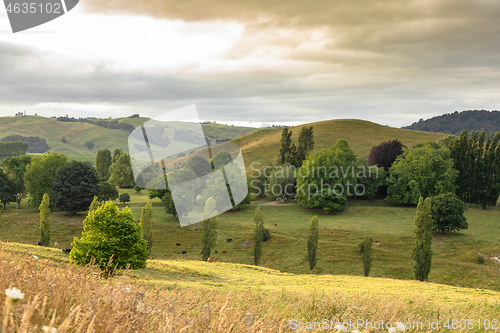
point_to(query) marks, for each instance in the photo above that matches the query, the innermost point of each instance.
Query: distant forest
(35, 144)
(454, 123)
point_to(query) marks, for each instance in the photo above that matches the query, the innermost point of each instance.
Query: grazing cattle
(209, 259)
(224, 251)
(229, 239)
(184, 252)
(73, 230)
(6, 241)
(151, 258)
(66, 250)
(39, 243)
(178, 244)
(215, 251)
(276, 224)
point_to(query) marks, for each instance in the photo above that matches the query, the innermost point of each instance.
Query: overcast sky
(259, 61)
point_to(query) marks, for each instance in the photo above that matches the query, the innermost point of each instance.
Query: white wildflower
(14, 293)
(400, 326)
(141, 307)
(46, 329)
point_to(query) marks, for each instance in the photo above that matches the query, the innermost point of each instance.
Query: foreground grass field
(189, 296)
(455, 260)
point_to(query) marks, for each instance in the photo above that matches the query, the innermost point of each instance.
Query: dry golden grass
(76, 299)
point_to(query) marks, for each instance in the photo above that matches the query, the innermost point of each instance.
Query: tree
(286, 144)
(421, 171)
(292, 156)
(169, 204)
(312, 243)
(7, 189)
(258, 236)
(306, 144)
(45, 220)
(137, 188)
(103, 162)
(200, 166)
(94, 204)
(107, 192)
(15, 168)
(124, 198)
(365, 250)
(282, 181)
(447, 212)
(384, 154)
(209, 225)
(111, 238)
(120, 172)
(145, 223)
(422, 254)
(477, 160)
(40, 174)
(328, 177)
(75, 186)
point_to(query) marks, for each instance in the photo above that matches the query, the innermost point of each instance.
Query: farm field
(454, 261)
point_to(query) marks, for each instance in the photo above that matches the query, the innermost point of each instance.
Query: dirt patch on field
(246, 243)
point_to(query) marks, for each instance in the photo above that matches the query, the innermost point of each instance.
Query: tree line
(454, 123)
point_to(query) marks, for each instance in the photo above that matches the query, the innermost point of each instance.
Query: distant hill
(263, 145)
(103, 133)
(454, 123)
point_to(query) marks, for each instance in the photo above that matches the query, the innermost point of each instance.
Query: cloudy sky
(259, 61)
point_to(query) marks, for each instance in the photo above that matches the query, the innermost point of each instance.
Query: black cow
(66, 250)
(229, 239)
(39, 244)
(184, 252)
(178, 244)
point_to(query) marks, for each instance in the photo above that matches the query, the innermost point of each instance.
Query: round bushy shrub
(266, 235)
(124, 197)
(447, 212)
(137, 188)
(110, 234)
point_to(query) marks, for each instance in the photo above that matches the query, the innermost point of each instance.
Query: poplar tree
(258, 236)
(45, 220)
(286, 144)
(312, 243)
(306, 144)
(365, 250)
(422, 253)
(145, 223)
(209, 226)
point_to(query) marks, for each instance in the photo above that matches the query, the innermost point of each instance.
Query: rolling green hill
(263, 145)
(78, 133)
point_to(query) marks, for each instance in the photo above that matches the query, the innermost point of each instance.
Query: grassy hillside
(193, 296)
(78, 133)
(454, 262)
(263, 146)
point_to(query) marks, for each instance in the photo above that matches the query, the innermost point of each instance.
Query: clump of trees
(384, 154)
(111, 239)
(74, 187)
(426, 170)
(289, 153)
(477, 159)
(103, 162)
(13, 148)
(35, 143)
(120, 171)
(447, 212)
(40, 175)
(324, 180)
